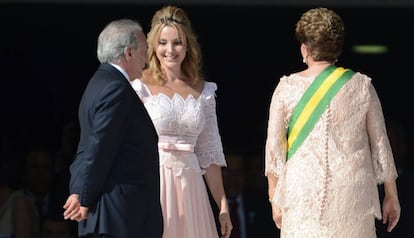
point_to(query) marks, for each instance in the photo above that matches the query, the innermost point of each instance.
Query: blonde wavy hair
(192, 63)
(323, 33)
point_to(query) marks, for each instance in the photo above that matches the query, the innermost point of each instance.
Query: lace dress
(328, 188)
(189, 142)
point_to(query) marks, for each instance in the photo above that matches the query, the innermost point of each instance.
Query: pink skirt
(185, 203)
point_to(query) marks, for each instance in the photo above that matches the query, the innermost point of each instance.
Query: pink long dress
(189, 142)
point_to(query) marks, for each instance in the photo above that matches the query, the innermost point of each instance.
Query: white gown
(189, 142)
(328, 188)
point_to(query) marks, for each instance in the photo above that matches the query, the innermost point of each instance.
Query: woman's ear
(304, 52)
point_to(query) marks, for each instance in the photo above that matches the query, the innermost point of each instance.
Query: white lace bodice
(333, 176)
(189, 121)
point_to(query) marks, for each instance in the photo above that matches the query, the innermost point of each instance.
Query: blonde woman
(183, 109)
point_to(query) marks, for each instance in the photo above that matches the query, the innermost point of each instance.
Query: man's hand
(73, 209)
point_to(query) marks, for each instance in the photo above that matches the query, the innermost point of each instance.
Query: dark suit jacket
(116, 168)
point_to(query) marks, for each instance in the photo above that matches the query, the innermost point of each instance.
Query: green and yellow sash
(313, 103)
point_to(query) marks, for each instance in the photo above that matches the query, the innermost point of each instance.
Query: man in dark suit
(114, 183)
(250, 211)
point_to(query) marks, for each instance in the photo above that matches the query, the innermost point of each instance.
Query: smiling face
(171, 49)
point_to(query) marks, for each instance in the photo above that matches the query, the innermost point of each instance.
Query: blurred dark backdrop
(47, 55)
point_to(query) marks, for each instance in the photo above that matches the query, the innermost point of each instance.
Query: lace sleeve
(209, 148)
(381, 151)
(276, 142)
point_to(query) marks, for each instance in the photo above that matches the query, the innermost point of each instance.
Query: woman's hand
(391, 211)
(225, 224)
(276, 215)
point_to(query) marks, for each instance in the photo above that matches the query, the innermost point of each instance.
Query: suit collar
(121, 70)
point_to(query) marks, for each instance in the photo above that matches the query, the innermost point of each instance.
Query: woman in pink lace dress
(183, 109)
(327, 186)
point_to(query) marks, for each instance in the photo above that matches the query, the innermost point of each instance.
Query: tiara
(169, 19)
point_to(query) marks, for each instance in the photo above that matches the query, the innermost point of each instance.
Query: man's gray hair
(115, 38)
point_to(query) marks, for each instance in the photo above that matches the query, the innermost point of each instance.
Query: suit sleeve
(107, 122)
(76, 178)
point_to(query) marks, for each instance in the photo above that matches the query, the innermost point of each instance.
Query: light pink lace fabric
(185, 123)
(328, 188)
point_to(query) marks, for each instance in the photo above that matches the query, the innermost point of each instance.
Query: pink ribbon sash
(175, 146)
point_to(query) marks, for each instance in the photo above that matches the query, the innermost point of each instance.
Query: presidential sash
(313, 103)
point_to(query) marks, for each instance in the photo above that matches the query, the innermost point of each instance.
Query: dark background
(48, 54)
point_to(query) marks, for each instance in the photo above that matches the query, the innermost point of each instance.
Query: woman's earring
(304, 59)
